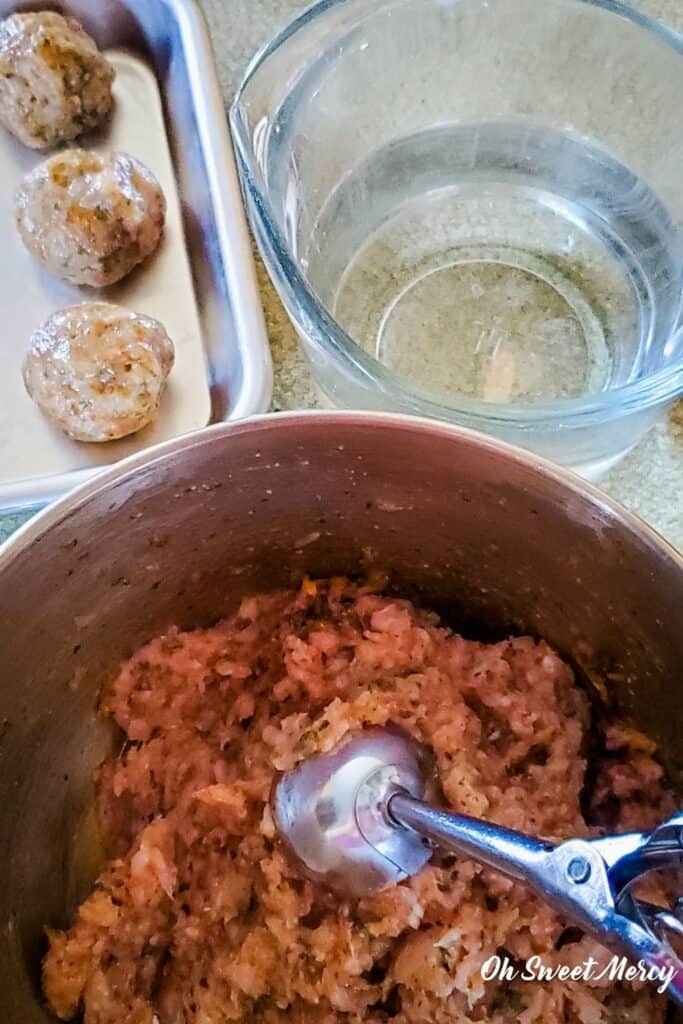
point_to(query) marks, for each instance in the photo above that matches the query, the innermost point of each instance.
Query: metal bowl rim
(55, 513)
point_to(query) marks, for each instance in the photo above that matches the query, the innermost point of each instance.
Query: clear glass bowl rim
(322, 330)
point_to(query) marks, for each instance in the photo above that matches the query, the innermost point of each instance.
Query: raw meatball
(89, 218)
(98, 371)
(54, 82)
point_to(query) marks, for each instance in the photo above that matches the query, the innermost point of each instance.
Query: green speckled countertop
(649, 480)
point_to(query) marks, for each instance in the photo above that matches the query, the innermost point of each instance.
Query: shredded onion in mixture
(198, 918)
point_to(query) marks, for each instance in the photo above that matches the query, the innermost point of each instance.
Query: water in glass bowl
(504, 262)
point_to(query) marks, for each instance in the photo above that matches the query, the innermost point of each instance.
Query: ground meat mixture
(54, 82)
(199, 918)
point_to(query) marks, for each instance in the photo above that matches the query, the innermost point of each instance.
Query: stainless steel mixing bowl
(496, 539)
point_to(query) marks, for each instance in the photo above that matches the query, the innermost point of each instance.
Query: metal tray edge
(231, 224)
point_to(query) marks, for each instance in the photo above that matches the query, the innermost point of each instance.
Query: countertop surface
(649, 481)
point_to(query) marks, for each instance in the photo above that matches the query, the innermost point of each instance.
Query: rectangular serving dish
(201, 284)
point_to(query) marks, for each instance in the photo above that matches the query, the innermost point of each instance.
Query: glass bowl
(472, 210)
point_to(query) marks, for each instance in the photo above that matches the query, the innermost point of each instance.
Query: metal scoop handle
(514, 854)
(353, 819)
(586, 880)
